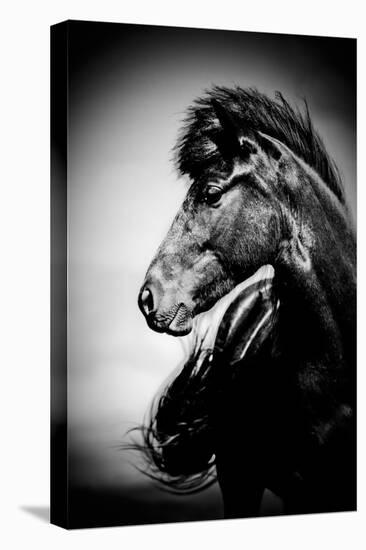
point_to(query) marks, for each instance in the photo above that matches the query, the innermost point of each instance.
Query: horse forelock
(254, 112)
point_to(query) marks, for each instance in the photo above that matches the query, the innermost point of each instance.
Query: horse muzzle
(175, 320)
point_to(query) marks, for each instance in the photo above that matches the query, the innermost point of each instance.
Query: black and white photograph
(182, 296)
(210, 252)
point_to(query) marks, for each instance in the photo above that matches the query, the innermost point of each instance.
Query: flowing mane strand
(195, 150)
(177, 436)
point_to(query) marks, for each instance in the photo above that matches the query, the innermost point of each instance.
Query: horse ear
(232, 141)
(287, 163)
(226, 119)
(272, 146)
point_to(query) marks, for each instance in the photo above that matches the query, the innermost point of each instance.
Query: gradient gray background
(128, 89)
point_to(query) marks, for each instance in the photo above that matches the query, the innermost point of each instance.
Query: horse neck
(318, 295)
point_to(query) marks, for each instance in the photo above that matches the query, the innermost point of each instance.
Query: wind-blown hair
(253, 112)
(177, 438)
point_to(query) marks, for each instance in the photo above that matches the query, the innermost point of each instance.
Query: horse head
(226, 228)
(252, 202)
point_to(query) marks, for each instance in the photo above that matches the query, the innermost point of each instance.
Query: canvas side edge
(59, 132)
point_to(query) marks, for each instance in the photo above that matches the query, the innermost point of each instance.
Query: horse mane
(254, 112)
(176, 436)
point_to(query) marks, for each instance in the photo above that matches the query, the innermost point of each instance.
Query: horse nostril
(147, 301)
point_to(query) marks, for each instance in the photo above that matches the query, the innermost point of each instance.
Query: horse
(262, 253)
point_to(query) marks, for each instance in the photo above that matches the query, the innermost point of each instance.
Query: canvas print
(203, 274)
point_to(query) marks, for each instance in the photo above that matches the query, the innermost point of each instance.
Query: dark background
(128, 89)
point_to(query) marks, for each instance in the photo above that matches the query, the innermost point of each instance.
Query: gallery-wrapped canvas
(203, 328)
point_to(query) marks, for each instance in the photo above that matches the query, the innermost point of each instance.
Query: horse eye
(213, 194)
